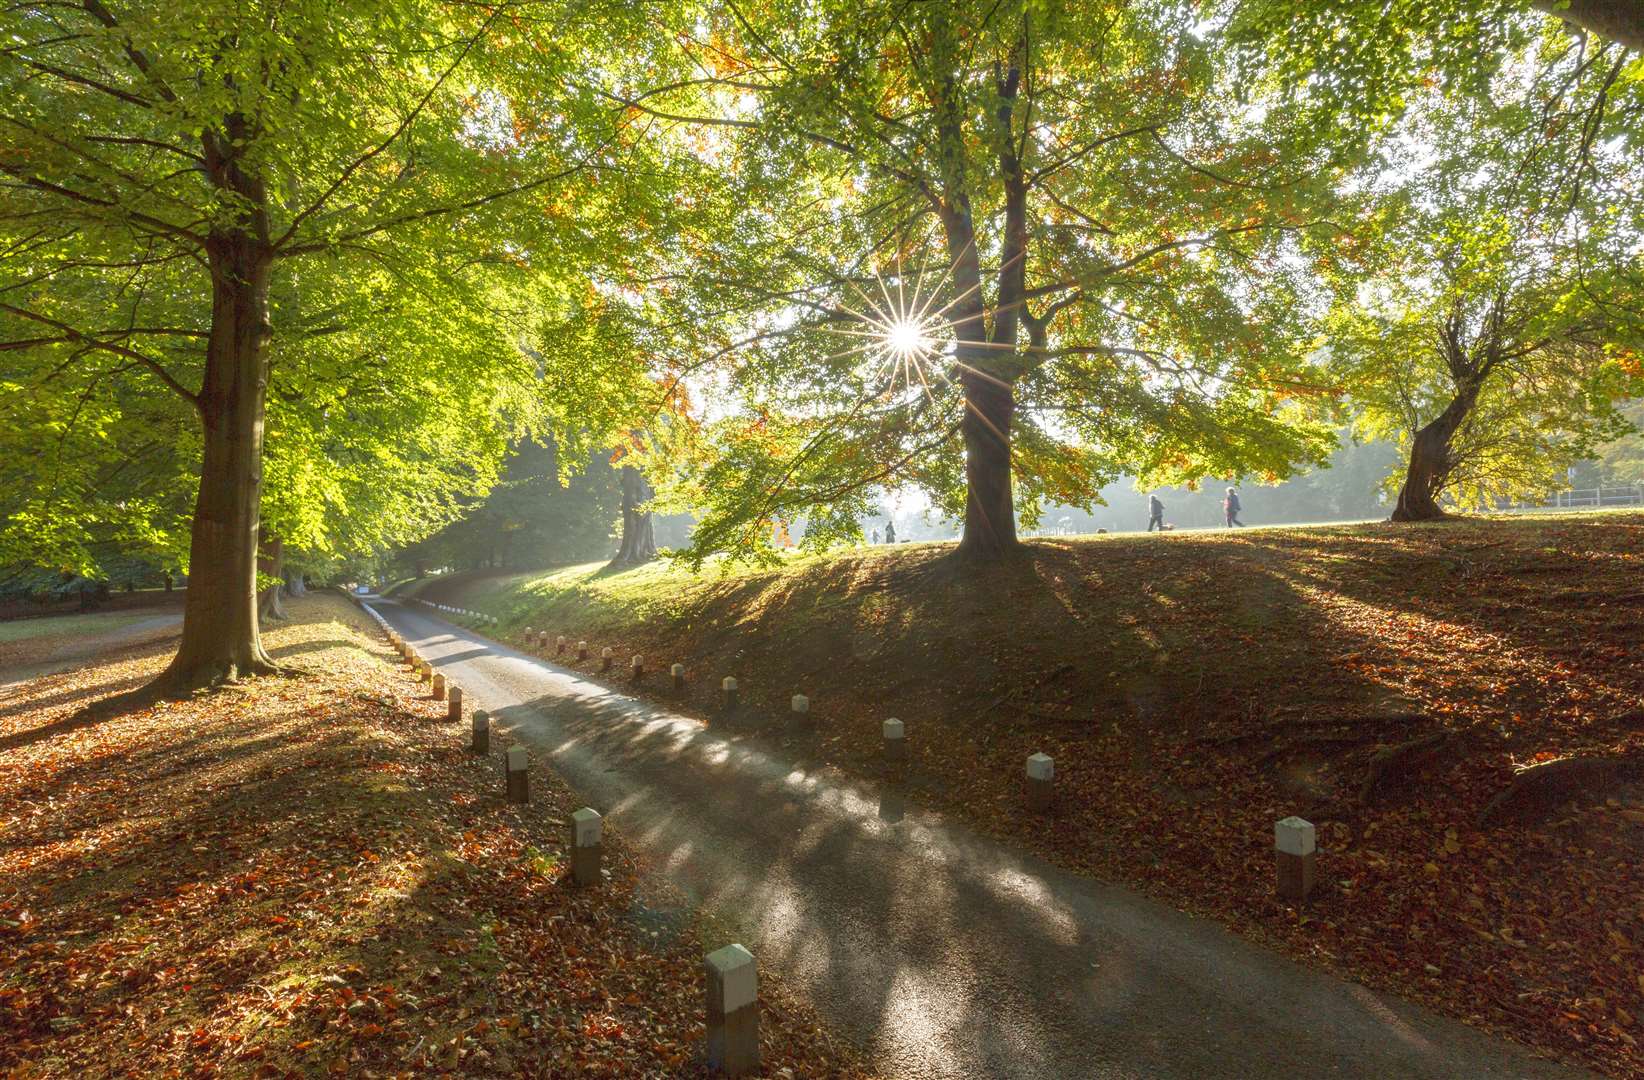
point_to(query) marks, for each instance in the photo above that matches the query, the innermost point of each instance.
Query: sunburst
(902, 333)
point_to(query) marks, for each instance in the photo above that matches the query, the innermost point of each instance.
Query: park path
(85, 645)
(944, 953)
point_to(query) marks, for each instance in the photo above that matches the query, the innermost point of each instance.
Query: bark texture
(220, 640)
(988, 366)
(1472, 345)
(1619, 20)
(1431, 461)
(271, 563)
(638, 544)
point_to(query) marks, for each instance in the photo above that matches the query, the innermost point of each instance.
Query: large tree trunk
(990, 404)
(638, 535)
(988, 364)
(990, 511)
(1431, 462)
(1620, 20)
(220, 640)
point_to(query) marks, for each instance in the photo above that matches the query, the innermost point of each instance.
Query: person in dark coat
(1230, 506)
(890, 532)
(1155, 510)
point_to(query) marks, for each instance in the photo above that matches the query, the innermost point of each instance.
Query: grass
(66, 625)
(309, 875)
(1195, 687)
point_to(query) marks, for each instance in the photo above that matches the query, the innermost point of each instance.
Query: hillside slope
(1195, 687)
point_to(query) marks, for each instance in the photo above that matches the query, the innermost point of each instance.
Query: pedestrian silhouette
(1155, 510)
(890, 532)
(1230, 506)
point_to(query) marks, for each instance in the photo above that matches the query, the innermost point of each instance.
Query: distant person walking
(890, 532)
(1155, 511)
(876, 536)
(1230, 506)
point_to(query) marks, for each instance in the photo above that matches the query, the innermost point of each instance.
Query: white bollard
(727, 689)
(1041, 783)
(519, 778)
(636, 667)
(1295, 847)
(582, 650)
(439, 687)
(733, 1011)
(678, 673)
(559, 645)
(453, 698)
(896, 745)
(799, 713)
(481, 743)
(606, 655)
(586, 829)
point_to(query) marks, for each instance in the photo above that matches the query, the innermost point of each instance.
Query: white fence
(1582, 498)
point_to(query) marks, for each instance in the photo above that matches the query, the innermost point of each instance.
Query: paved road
(946, 953)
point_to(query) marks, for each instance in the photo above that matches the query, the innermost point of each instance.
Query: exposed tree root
(1314, 739)
(1539, 789)
(1394, 764)
(1273, 731)
(182, 683)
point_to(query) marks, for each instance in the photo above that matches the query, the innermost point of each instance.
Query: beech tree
(1098, 224)
(1493, 342)
(184, 157)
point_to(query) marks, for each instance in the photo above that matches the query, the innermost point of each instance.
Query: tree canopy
(1098, 221)
(394, 190)
(1493, 332)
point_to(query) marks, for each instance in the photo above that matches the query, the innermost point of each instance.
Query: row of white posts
(733, 1019)
(731, 974)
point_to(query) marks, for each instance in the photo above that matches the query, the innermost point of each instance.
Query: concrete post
(1295, 845)
(896, 745)
(453, 710)
(542, 641)
(519, 780)
(481, 743)
(636, 667)
(799, 714)
(606, 655)
(582, 650)
(1041, 783)
(559, 645)
(727, 689)
(426, 674)
(733, 1011)
(678, 672)
(439, 687)
(586, 846)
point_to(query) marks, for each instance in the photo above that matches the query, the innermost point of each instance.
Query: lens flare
(906, 337)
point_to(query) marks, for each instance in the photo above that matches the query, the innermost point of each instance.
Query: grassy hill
(1193, 687)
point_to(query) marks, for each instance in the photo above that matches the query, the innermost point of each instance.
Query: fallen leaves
(1192, 691)
(309, 875)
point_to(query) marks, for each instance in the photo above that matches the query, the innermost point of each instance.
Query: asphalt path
(940, 951)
